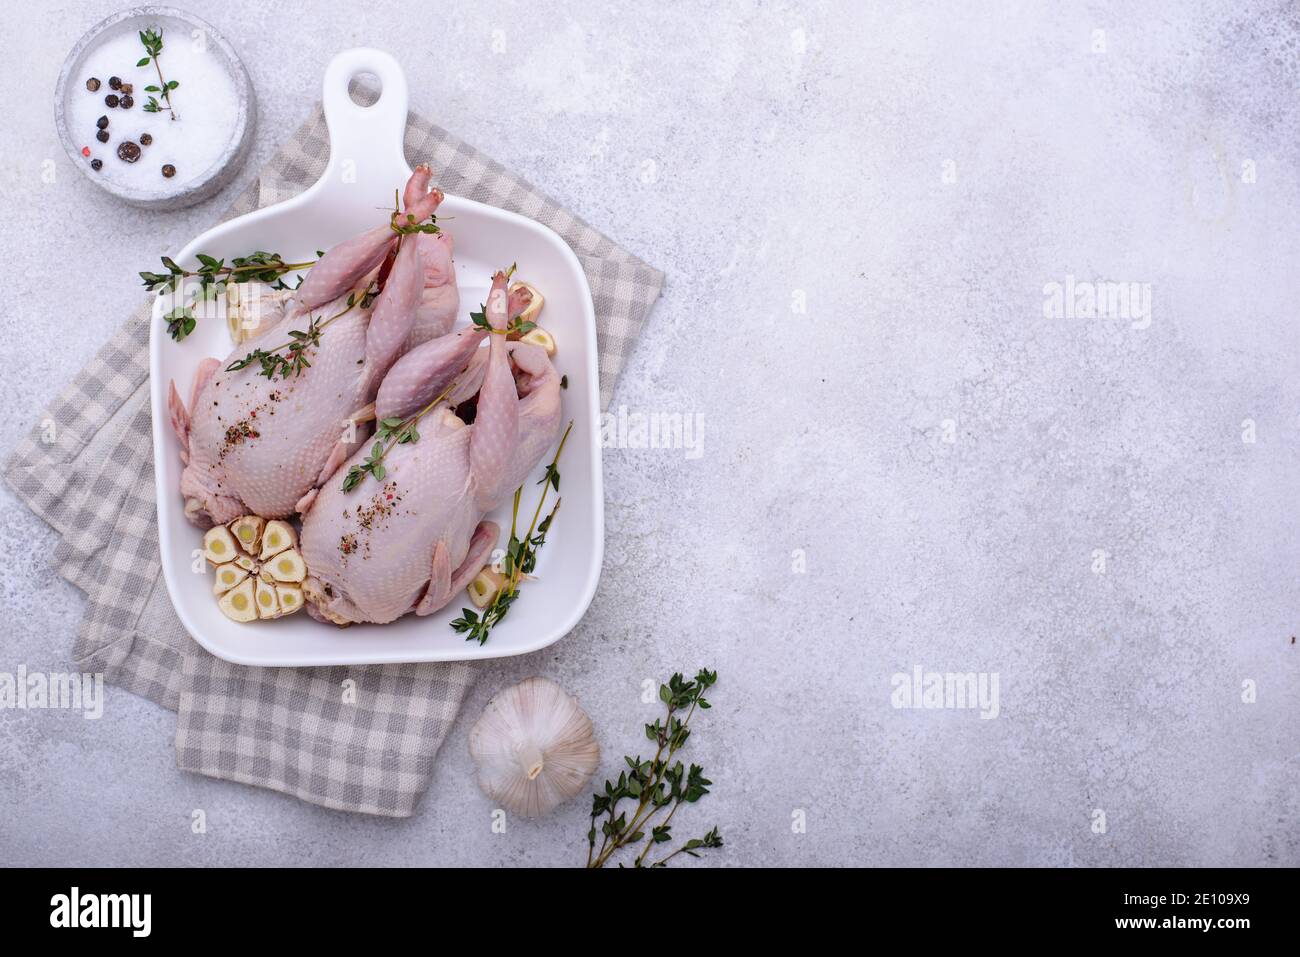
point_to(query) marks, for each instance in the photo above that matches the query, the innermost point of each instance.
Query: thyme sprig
(294, 359)
(520, 558)
(516, 326)
(410, 227)
(152, 40)
(180, 322)
(657, 785)
(260, 266)
(390, 432)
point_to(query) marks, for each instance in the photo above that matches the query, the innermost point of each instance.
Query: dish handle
(366, 142)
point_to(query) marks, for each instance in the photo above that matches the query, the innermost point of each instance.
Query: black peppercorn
(115, 82)
(96, 165)
(128, 152)
(127, 102)
(102, 136)
(111, 100)
(145, 139)
(128, 88)
(102, 123)
(169, 170)
(92, 84)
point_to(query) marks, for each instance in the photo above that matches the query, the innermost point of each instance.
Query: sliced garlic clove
(238, 604)
(268, 605)
(248, 532)
(247, 563)
(540, 337)
(321, 596)
(290, 598)
(485, 587)
(277, 537)
(250, 309)
(534, 307)
(286, 567)
(228, 576)
(219, 545)
(314, 591)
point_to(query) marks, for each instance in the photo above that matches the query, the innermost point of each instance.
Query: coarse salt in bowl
(185, 150)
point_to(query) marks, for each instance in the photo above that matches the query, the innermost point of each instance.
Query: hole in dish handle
(365, 141)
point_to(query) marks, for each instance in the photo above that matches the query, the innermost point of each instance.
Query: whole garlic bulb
(534, 747)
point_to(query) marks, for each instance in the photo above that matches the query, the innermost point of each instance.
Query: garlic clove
(277, 537)
(219, 545)
(540, 337)
(289, 597)
(535, 303)
(239, 603)
(228, 576)
(247, 563)
(485, 587)
(268, 605)
(534, 747)
(251, 308)
(234, 314)
(320, 596)
(286, 567)
(248, 532)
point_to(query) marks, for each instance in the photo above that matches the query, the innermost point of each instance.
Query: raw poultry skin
(411, 541)
(257, 445)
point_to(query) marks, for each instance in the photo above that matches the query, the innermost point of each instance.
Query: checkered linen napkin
(87, 469)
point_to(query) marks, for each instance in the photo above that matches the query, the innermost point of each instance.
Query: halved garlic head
(247, 586)
(485, 587)
(276, 538)
(535, 301)
(239, 602)
(540, 337)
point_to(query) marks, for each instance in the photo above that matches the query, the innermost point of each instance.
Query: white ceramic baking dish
(366, 164)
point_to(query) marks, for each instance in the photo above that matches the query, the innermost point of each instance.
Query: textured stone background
(758, 153)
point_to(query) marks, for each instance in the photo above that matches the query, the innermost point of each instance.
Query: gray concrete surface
(944, 460)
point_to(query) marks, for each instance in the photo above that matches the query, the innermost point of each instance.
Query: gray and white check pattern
(280, 728)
